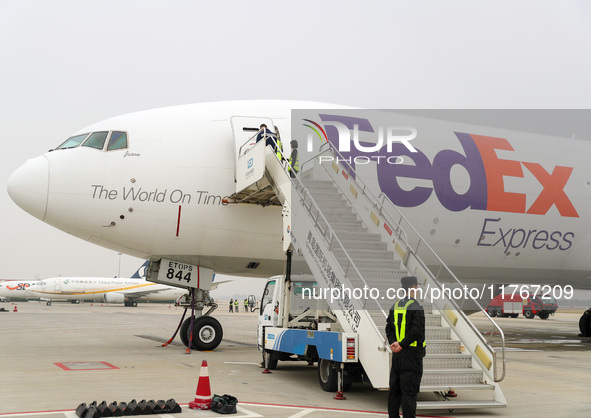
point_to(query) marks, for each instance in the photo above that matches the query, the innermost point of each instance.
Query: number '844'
(179, 275)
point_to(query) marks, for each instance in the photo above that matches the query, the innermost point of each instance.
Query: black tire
(270, 359)
(492, 313)
(544, 315)
(183, 332)
(514, 315)
(528, 314)
(207, 333)
(500, 313)
(134, 304)
(585, 324)
(327, 375)
(48, 303)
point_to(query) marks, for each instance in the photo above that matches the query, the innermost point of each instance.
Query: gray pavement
(116, 356)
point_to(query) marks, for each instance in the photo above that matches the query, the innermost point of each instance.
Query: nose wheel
(207, 333)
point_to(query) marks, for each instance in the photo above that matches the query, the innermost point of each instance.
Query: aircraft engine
(114, 297)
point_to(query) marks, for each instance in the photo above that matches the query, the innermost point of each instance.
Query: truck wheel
(500, 313)
(270, 359)
(528, 314)
(492, 313)
(585, 324)
(327, 375)
(544, 315)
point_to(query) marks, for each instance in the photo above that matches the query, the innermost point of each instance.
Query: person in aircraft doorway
(271, 139)
(405, 328)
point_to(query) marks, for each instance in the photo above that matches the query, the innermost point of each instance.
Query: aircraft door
(57, 285)
(245, 129)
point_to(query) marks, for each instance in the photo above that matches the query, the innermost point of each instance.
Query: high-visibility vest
(400, 321)
(279, 151)
(295, 165)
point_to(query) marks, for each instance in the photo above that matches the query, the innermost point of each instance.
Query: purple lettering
(388, 175)
(444, 161)
(536, 238)
(570, 243)
(484, 232)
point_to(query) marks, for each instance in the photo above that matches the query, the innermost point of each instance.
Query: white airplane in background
(104, 289)
(498, 206)
(16, 289)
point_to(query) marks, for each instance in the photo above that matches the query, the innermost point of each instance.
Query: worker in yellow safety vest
(294, 161)
(405, 328)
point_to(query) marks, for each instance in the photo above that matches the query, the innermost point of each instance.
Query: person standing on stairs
(405, 329)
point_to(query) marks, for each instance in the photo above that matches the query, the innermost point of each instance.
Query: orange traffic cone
(15, 310)
(203, 393)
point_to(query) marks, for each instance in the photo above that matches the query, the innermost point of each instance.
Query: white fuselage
(101, 289)
(16, 289)
(497, 206)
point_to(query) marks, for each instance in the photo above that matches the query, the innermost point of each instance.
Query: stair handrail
(380, 207)
(334, 239)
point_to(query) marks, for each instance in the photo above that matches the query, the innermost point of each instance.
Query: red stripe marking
(66, 368)
(178, 222)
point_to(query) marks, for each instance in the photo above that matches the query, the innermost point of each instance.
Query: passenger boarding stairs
(350, 240)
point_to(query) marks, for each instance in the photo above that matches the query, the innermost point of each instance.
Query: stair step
(443, 347)
(451, 376)
(447, 361)
(362, 253)
(364, 245)
(437, 333)
(453, 404)
(466, 386)
(347, 236)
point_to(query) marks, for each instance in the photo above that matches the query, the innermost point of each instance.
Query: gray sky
(67, 64)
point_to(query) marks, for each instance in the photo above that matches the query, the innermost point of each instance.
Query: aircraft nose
(28, 186)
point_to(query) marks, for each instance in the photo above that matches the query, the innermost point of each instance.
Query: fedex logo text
(486, 172)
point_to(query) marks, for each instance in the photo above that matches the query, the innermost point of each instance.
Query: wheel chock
(92, 412)
(159, 407)
(115, 409)
(133, 407)
(151, 407)
(173, 407)
(125, 409)
(103, 409)
(81, 409)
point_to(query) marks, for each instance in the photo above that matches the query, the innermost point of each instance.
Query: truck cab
(293, 325)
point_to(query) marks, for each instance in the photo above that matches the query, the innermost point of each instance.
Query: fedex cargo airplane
(497, 206)
(104, 289)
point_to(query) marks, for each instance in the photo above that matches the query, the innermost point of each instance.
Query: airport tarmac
(56, 357)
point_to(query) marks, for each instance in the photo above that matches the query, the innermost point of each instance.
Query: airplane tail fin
(141, 272)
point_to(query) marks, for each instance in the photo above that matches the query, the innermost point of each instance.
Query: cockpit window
(96, 140)
(73, 141)
(118, 141)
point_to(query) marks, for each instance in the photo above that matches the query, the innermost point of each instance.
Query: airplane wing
(146, 291)
(215, 285)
